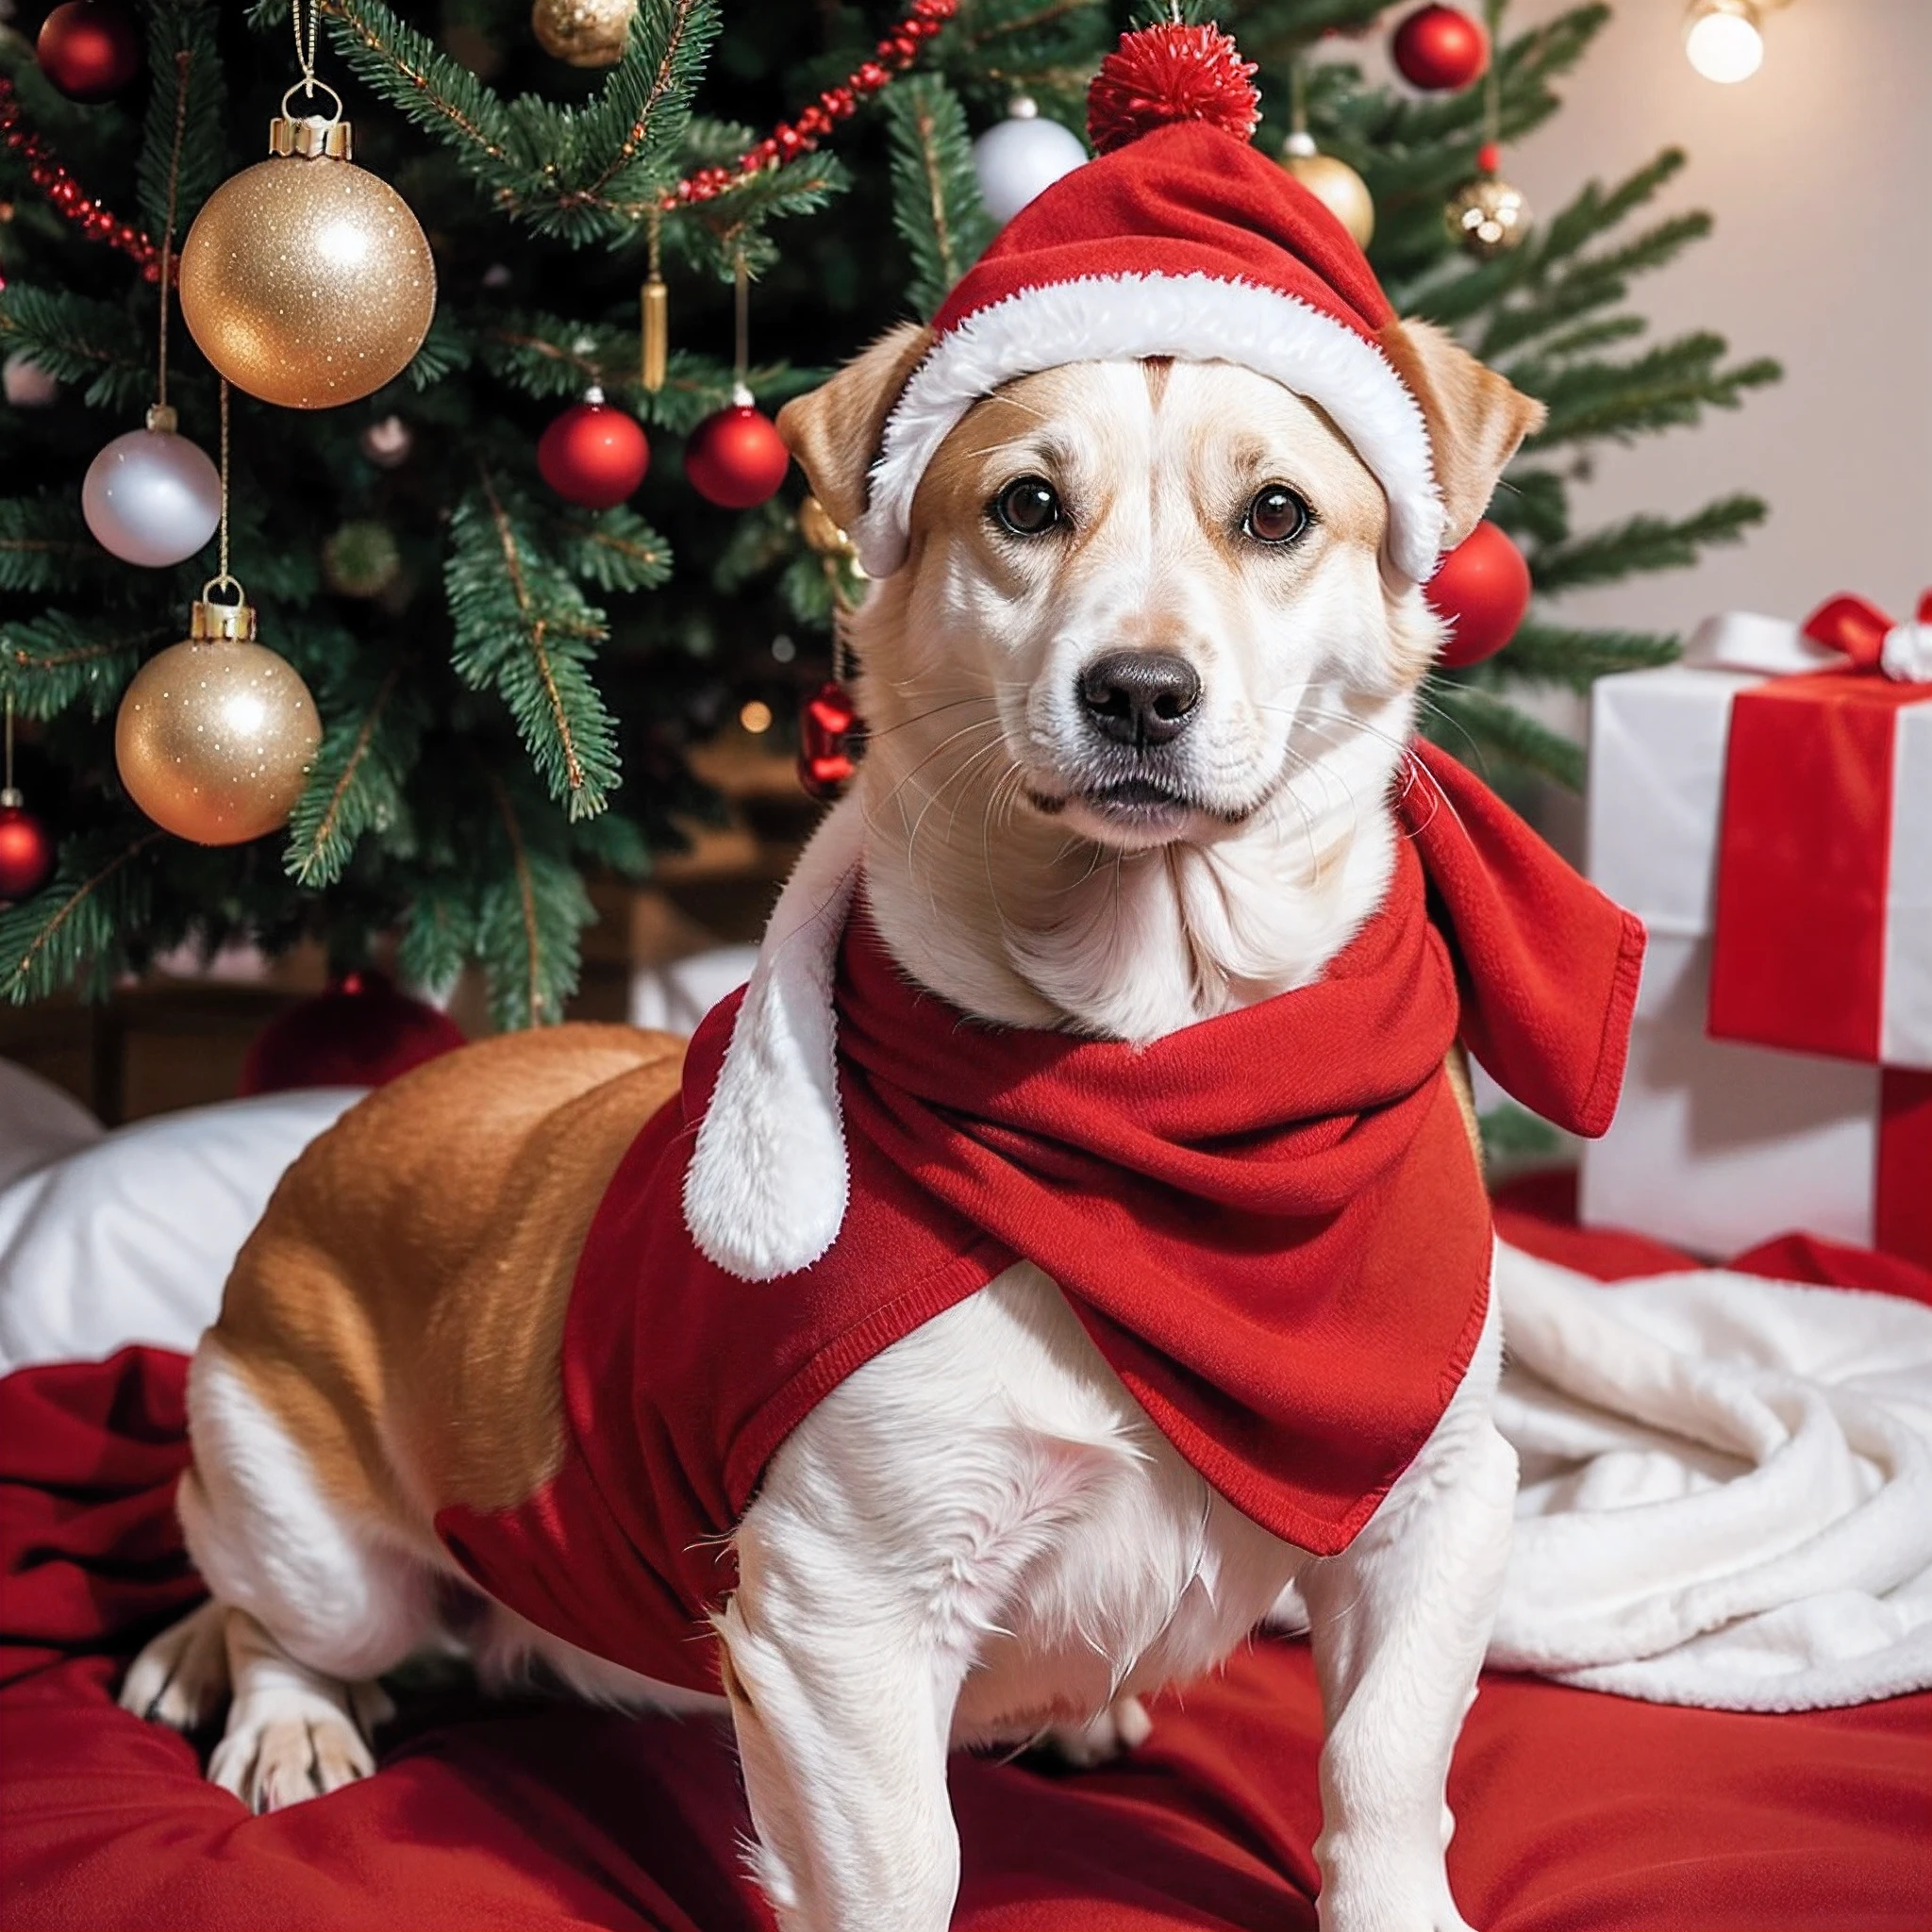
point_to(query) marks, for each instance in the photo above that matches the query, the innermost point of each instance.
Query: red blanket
(1576, 1812)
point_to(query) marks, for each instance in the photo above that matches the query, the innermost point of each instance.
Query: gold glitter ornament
(1334, 184)
(215, 735)
(305, 280)
(586, 33)
(1488, 217)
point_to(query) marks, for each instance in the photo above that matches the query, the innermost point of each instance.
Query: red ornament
(1482, 588)
(1161, 74)
(90, 49)
(27, 849)
(829, 738)
(734, 458)
(360, 1033)
(593, 454)
(1440, 47)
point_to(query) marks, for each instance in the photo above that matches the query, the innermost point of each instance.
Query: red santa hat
(1181, 240)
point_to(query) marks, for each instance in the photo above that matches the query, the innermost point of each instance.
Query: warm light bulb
(755, 716)
(1722, 41)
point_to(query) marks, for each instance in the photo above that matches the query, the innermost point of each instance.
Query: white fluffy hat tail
(766, 1189)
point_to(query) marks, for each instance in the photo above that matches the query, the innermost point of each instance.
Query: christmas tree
(509, 683)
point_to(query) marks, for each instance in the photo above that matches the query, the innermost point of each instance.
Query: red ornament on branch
(734, 458)
(27, 849)
(1439, 48)
(360, 1033)
(1482, 588)
(90, 49)
(829, 736)
(593, 454)
(1162, 74)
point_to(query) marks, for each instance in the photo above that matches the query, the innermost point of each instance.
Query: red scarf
(1271, 1224)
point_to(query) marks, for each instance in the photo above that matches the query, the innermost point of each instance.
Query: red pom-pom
(90, 49)
(736, 457)
(361, 1033)
(593, 454)
(1162, 74)
(1482, 588)
(1439, 47)
(26, 852)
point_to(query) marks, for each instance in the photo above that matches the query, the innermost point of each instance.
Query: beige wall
(1819, 173)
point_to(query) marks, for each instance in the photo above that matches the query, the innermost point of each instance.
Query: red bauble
(1482, 588)
(360, 1033)
(27, 851)
(1160, 74)
(734, 458)
(90, 49)
(593, 454)
(1440, 47)
(829, 740)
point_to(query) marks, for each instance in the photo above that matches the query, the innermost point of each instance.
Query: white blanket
(1727, 1482)
(1726, 1487)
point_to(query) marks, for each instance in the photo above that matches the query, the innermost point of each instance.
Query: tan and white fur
(979, 1537)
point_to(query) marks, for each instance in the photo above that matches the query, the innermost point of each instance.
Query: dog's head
(1144, 604)
(1157, 587)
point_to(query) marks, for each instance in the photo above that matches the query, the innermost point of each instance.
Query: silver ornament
(152, 497)
(1023, 154)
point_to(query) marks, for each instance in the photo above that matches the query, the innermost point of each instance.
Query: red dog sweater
(1271, 1224)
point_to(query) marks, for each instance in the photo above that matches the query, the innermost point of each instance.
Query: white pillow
(677, 996)
(111, 1238)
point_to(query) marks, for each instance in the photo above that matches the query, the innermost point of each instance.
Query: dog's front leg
(843, 1713)
(1399, 1623)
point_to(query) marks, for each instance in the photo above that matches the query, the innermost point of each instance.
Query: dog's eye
(1277, 515)
(1027, 507)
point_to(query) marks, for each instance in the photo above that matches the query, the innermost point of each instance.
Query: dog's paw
(1121, 1727)
(182, 1677)
(288, 1744)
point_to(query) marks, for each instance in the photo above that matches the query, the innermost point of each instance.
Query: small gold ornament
(305, 280)
(216, 734)
(1334, 184)
(1489, 217)
(586, 33)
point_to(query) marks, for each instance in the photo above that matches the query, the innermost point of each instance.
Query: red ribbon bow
(1860, 630)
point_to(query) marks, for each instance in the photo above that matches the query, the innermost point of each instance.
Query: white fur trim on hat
(766, 1189)
(1195, 318)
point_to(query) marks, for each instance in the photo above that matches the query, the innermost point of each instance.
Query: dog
(1141, 682)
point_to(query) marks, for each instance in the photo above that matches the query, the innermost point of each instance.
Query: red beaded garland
(1482, 587)
(64, 191)
(734, 458)
(593, 454)
(1440, 47)
(893, 54)
(90, 49)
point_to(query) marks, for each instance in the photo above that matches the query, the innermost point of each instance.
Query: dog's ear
(1475, 419)
(835, 432)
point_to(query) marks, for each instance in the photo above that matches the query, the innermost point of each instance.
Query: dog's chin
(1135, 814)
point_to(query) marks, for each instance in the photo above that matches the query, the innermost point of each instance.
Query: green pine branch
(45, 543)
(180, 165)
(1485, 732)
(77, 928)
(359, 781)
(935, 204)
(1575, 658)
(1643, 543)
(524, 629)
(1669, 385)
(54, 661)
(95, 347)
(530, 911)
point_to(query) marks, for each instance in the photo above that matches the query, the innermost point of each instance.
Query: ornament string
(8, 795)
(182, 62)
(305, 55)
(223, 577)
(740, 348)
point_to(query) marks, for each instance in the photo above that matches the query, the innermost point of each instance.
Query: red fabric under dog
(1271, 1224)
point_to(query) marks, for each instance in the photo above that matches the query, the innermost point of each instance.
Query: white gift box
(1716, 1144)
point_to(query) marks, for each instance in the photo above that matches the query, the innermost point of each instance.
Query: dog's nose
(1141, 697)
